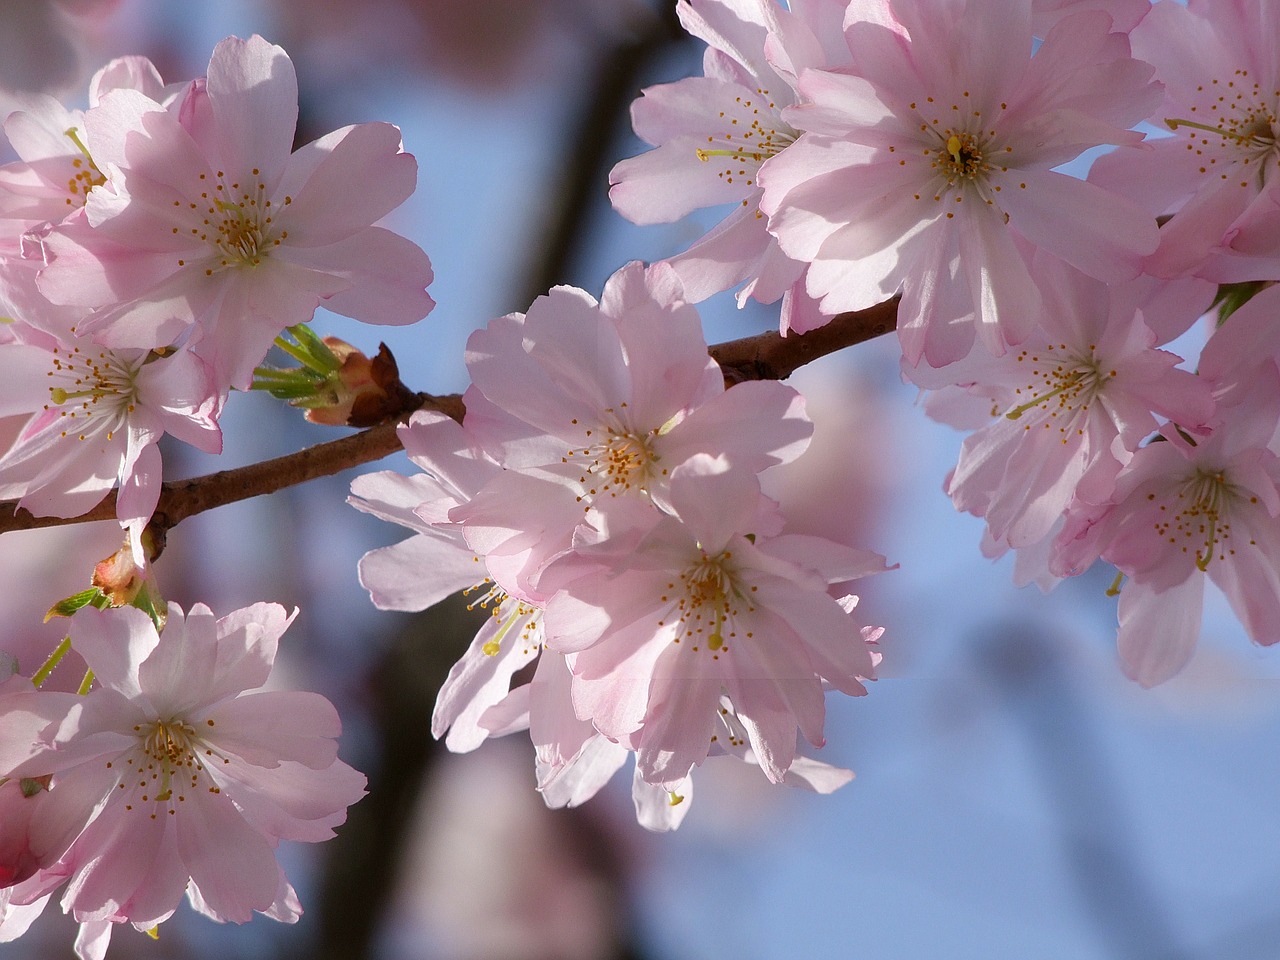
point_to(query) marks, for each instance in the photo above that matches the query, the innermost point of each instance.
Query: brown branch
(767, 356)
(770, 356)
(180, 499)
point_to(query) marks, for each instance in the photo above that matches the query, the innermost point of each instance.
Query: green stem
(86, 683)
(55, 658)
(316, 347)
(295, 351)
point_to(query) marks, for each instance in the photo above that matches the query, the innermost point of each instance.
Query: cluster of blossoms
(152, 248)
(601, 499)
(902, 147)
(175, 774)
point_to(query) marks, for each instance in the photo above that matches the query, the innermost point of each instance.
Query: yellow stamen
(1255, 136)
(1067, 384)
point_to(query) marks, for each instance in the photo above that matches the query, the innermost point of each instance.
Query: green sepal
(146, 601)
(93, 597)
(310, 385)
(322, 359)
(1232, 296)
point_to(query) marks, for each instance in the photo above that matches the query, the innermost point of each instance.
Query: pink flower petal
(361, 176)
(1158, 631)
(253, 91)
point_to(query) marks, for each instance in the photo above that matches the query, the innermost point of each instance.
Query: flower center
(960, 145)
(616, 459)
(961, 158)
(91, 385)
(86, 175)
(237, 220)
(1062, 385)
(167, 768)
(1233, 123)
(169, 743)
(708, 600)
(749, 138)
(1203, 501)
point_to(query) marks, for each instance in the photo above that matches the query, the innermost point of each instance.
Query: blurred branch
(369, 853)
(609, 91)
(766, 356)
(1029, 668)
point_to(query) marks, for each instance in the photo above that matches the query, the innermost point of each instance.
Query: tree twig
(771, 356)
(766, 356)
(614, 83)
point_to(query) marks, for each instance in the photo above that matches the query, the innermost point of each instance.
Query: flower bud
(365, 391)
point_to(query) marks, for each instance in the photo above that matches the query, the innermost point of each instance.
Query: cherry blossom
(926, 163)
(646, 604)
(713, 133)
(702, 607)
(95, 418)
(499, 572)
(1074, 401)
(178, 771)
(1181, 513)
(611, 396)
(211, 221)
(602, 402)
(1221, 74)
(56, 172)
(93, 415)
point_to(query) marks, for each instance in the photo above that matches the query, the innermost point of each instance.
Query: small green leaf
(85, 598)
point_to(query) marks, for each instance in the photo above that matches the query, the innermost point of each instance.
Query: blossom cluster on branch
(601, 495)
(601, 500)
(894, 146)
(154, 247)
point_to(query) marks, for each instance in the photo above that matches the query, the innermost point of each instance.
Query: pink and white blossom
(1220, 68)
(179, 773)
(1074, 402)
(713, 133)
(95, 417)
(1181, 513)
(212, 222)
(611, 396)
(926, 167)
(700, 608)
(55, 172)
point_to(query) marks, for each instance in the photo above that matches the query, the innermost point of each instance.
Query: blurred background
(1016, 796)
